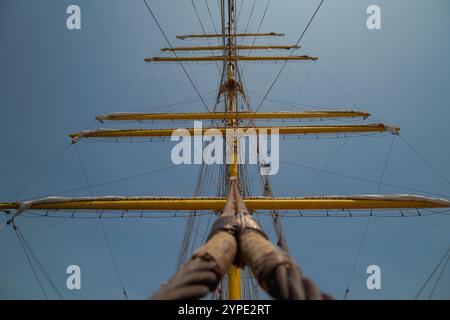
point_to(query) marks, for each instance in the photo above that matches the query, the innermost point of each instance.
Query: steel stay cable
(211, 18)
(439, 278)
(181, 64)
(103, 229)
(239, 11)
(158, 84)
(68, 147)
(426, 160)
(366, 229)
(30, 263)
(249, 17)
(361, 179)
(285, 62)
(24, 243)
(259, 28)
(109, 182)
(325, 165)
(446, 254)
(204, 31)
(139, 166)
(41, 172)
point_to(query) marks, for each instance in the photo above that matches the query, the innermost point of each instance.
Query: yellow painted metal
(234, 283)
(229, 58)
(233, 168)
(8, 206)
(252, 203)
(234, 273)
(232, 35)
(206, 131)
(122, 116)
(240, 47)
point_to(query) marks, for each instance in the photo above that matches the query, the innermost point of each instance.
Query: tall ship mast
(237, 248)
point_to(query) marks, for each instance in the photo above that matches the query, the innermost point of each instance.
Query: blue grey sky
(54, 81)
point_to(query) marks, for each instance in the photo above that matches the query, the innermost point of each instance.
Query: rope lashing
(237, 238)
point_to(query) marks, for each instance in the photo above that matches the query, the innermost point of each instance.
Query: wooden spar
(229, 58)
(288, 130)
(217, 203)
(130, 116)
(240, 47)
(232, 35)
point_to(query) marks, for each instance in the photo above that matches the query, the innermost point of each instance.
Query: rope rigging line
(35, 215)
(336, 84)
(139, 166)
(259, 28)
(108, 182)
(179, 214)
(327, 214)
(211, 18)
(439, 278)
(40, 172)
(325, 165)
(446, 254)
(426, 160)
(362, 179)
(237, 238)
(158, 84)
(442, 225)
(285, 62)
(184, 101)
(29, 253)
(187, 241)
(198, 18)
(125, 90)
(181, 64)
(276, 218)
(204, 175)
(250, 16)
(207, 183)
(128, 86)
(30, 263)
(204, 32)
(287, 103)
(192, 233)
(116, 268)
(386, 164)
(84, 171)
(366, 229)
(308, 75)
(239, 11)
(283, 83)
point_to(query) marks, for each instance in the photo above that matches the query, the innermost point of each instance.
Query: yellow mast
(240, 47)
(234, 273)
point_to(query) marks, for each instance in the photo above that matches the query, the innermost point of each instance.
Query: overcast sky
(54, 81)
